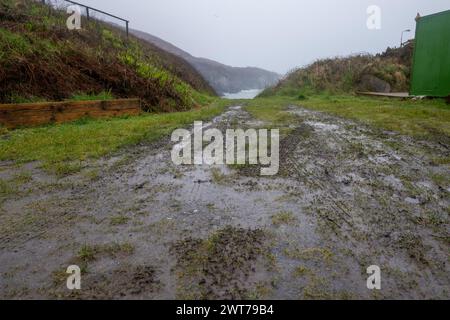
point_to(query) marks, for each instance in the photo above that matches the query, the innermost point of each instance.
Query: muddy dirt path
(347, 197)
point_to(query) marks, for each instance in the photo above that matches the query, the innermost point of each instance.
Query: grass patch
(6, 188)
(441, 179)
(218, 177)
(62, 148)
(271, 110)
(66, 168)
(3, 130)
(89, 253)
(119, 220)
(93, 174)
(301, 271)
(12, 186)
(441, 160)
(423, 118)
(22, 177)
(283, 218)
(16, 98)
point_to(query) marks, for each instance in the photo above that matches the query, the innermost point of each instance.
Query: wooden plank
(382, 94)
(34, 114)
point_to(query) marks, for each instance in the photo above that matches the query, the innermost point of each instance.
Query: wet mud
(347, 196)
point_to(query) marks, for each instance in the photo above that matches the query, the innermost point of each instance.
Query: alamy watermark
(374, 17)
(374, 280)
(238, 147)
(74, 20)
(74, 280)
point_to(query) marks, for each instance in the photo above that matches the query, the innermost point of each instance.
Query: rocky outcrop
(371, 83)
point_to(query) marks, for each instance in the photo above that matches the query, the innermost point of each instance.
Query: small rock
(199, 181)
(347, 180)
(140, 186)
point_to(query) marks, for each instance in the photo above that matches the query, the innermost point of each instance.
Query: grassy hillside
(389, 71)
(40, 59)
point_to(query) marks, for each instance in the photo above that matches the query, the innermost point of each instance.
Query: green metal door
(431, 65)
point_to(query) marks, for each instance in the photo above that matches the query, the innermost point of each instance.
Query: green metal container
(431, 64)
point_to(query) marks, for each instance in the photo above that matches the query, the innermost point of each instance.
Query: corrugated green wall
(431, 65)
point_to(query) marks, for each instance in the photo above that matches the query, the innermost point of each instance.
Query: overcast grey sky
(277, 35)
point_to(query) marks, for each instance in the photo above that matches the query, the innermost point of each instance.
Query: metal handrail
(127, 22)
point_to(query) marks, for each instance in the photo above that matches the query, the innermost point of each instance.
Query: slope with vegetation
(386, 72)
(40, 59)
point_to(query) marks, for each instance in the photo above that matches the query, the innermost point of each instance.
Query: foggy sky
(277, 35)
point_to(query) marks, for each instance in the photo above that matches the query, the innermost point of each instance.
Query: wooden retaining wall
(34, 114)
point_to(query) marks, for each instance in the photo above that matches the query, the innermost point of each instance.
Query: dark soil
(220, 266)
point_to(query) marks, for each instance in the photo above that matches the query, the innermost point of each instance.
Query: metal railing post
(89, 9)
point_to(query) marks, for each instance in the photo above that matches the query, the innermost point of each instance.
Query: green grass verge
(271, 110)
(62, 148)
(422, 118)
